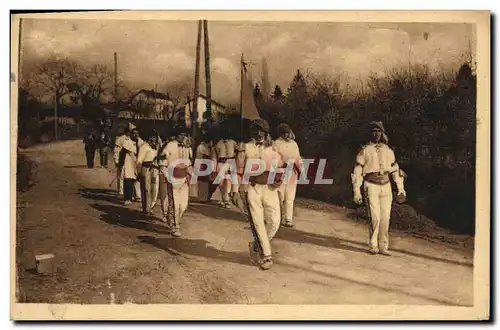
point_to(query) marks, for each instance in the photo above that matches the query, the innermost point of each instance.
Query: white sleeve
(357, 174)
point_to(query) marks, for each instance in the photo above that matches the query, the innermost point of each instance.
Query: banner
(249, 109)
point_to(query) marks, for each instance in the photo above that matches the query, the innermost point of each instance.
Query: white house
(151, 105)
(217, 110)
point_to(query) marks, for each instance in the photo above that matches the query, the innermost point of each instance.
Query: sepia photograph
(239, 165)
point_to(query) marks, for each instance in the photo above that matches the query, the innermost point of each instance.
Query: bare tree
(51, 77)
(89, 86)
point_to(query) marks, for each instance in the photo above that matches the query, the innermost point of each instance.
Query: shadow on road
(98, 194)
(124, 217)
(217, 212)
(75, 166)
(298, 236)
(195, 247)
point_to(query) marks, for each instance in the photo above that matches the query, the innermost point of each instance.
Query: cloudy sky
(163, 52)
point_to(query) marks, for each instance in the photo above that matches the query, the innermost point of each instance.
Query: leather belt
(224, 159)
(262, 179)
(378, 178)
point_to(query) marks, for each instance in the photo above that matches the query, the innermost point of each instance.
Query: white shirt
(203, 150)
(225, 149)
(146, 154)
(118, 147)
(376, 158)
(173, 151)
(288, 149)
(255, 151)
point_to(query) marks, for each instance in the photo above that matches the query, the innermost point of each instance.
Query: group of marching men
(152, 169)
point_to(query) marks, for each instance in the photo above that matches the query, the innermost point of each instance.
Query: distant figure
(375, 165)
(90, 148)
(104, 145)
(289, 151)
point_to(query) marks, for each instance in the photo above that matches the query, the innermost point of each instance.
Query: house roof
(153, 94)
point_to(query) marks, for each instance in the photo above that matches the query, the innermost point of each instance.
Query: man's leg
(148, 195)
(128, 190)
(184, 199)
(178, 195)
(225, 188)
(101, 157)
(272, 214)
(256, 208)
(385, 216)
(155, 187)
(372, 195)
(163, 192)
(137, 191)
(105, 158)
(90, 158)
(119, 180)
(290, 192)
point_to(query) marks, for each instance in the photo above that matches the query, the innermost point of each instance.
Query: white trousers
(225, 187)
(264, 206)
(155, 186)
(119, 180)
(137, 189)
(287, 194)
(378, 204)
(180, 193)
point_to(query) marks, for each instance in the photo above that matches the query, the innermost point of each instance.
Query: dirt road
(109, 253)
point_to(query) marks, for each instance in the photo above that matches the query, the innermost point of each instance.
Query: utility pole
(55, 117)
(207, 73)
(241, 97)
(155, 106)
(196, 86)
(116, 78)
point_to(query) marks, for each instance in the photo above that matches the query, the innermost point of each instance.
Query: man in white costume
(375, 166)
(224, 150)
(175, 163)
(145, 168)
(262, 191)
(128, 159)
(155, 173)
(116, 157)
(289, 150)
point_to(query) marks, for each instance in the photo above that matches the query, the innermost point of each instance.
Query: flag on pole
(187, 113)
(248, 107)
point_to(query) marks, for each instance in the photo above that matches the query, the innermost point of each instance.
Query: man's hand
(401, 198)
(358, 199)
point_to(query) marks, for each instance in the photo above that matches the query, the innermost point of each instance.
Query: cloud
(43, 43)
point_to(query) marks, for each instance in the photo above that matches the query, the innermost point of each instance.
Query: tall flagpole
(207, 71)
(241, 97)
(196, 85)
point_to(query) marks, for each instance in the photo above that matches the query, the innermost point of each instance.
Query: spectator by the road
(90, 148)
(104, 145)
